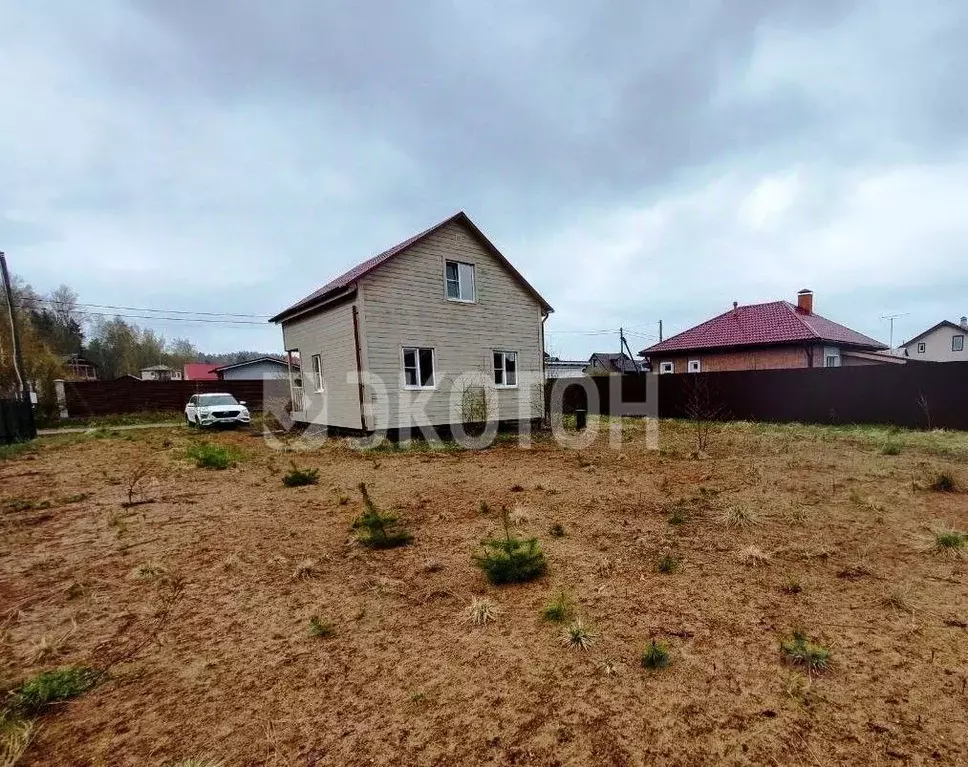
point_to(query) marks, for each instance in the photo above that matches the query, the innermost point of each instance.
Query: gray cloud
(631, 159)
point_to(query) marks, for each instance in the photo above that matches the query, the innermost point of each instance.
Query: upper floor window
(921, 348)
(318, 372)
(460, 281)
(505, 369)
(418, 368)
(957, 343)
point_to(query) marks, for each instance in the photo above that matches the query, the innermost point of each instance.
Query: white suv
(216, 410)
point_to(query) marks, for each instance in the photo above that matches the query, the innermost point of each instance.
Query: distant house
(945, 342)
(199, 371)
(258, 369)
(558, 368)
(612, 363)
(80, 369)
(160, 373)
(767, 336)
(400, 339)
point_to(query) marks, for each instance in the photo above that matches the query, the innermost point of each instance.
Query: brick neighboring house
(767, 337)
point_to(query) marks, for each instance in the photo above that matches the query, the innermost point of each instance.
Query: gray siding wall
(255, 372)
(329, 334)
(404, 304)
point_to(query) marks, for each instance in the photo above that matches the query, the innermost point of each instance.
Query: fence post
(61, 397)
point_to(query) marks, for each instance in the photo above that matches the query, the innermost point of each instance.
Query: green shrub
(208, 456)
(655, 655)
(801, 651)
(558, 609)
(578, 636)
(511, 559)
(51, 686)
(320, 627)
(947, 540)
(891, 448)
(297, 477)
(376, 529)
(557, 530)
(667, 564)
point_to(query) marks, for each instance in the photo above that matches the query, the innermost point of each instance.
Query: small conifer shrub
(376, 529)
(297, 477)
(511, 559)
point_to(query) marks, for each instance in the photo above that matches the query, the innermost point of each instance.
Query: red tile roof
(777, 322)
(200, 371)
(348, 279)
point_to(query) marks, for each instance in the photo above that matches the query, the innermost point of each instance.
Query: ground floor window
(505, 368)
(695, 366)
(666, 367)
(318, 372)
(418, 368)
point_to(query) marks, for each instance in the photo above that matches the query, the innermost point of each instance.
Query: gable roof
(943, 323)
(614, 362)
(350, 278)
(199, 371)
(159, 367)
(777, 322)
(245, 363)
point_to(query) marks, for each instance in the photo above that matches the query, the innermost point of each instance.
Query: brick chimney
(805, 301)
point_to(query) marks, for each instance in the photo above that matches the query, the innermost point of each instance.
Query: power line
(144, 309)
(166, 319)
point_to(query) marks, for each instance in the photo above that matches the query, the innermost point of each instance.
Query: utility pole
(18, 360)
(893, 317)
(660, 331)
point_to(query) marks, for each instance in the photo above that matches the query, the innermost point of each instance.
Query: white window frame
(694, 366)
(317, 362)
(957, 337)
(461, 274)
(504, 368)
(832, 353)
(921, 347)
(667, 367)
(433, 367)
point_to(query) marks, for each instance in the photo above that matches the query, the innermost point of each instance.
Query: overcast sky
(635, 160)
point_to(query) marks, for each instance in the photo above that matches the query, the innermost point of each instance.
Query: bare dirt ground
(232, 672)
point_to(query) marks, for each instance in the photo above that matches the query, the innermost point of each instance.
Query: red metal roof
(200, 371)
(347, 279)
(777, 322)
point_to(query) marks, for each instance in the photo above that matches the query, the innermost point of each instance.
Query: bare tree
(923, 404)
(703, 409)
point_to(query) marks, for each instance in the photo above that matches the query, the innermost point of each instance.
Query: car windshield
(217, 400)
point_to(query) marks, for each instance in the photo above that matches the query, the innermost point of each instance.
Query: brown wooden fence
(128, 395)
(916, 395)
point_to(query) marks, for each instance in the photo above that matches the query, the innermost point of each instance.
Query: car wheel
(188, 421)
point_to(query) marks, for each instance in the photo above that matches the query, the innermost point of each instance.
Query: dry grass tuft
(305, 570)
(753, 556)
(481, 611)
(519, 516)
(899, 599)
(801, 651)
(15, 737)
(148, 571)
(738, 516)
(198, 761)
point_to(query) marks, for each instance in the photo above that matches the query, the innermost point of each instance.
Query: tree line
(53, 326)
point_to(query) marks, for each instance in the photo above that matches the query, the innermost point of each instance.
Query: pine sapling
(376, 529)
